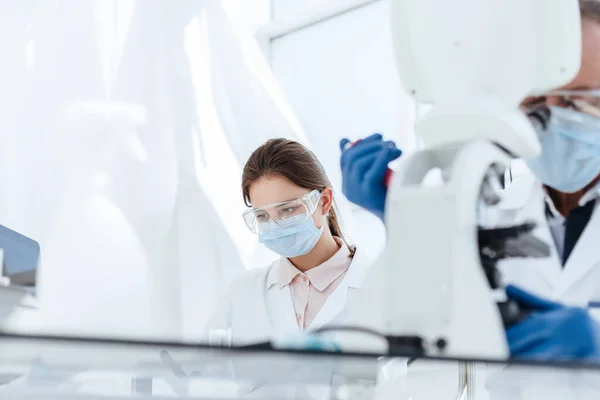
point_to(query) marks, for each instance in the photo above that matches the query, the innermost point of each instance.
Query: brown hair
(590, 10)
(293, 161)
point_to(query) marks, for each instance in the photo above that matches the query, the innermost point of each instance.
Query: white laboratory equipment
(473, 61)
(18, 307)
(19, 260)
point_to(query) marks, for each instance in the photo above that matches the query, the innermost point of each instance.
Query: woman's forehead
(274, 189)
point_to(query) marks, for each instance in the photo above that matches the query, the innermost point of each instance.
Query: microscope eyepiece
(540, 117)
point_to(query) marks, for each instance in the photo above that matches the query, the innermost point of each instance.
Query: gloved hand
(553, 332)
(363, 170)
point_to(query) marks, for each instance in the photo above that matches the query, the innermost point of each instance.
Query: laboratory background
(308, 199)
(126, 125)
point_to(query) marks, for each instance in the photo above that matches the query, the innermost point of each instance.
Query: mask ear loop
(325, 222)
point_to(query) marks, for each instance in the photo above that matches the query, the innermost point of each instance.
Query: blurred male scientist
(567, 328)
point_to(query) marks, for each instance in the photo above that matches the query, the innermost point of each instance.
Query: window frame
(307, 17)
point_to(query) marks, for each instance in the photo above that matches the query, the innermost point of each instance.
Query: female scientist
(291, 209)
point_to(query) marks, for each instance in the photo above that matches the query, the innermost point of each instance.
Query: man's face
(574, 97)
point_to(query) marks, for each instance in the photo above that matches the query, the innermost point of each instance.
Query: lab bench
(45, 367)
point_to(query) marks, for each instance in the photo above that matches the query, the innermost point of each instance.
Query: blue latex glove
(363, 171)
(552, 332)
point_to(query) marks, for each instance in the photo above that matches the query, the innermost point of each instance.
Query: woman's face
(275, 189)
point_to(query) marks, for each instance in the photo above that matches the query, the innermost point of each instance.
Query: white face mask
(570, 156)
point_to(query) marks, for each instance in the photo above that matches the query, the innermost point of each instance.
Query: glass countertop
(36, 367)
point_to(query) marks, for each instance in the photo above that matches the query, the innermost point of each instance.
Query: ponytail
(334, 228)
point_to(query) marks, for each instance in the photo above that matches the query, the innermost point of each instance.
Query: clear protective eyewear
(283, 214)
(585, 101)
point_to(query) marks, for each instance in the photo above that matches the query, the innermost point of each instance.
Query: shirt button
(298, 317)
(304, 278)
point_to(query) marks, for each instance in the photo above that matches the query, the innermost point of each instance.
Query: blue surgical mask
(293, 240)
(570, 156)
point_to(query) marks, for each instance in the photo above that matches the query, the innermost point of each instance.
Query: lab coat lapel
(335, 306)
(280, 304)
(332, 307)
(584, 257)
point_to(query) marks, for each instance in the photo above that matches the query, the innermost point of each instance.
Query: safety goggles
(585, 101)
(283, 214)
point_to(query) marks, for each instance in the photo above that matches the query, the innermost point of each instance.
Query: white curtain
(153, 182)
(49, 60)
(250, 103)
(155, 70)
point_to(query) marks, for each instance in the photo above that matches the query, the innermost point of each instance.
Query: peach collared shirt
(312, 288)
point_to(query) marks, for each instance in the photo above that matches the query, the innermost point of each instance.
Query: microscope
(436, 291)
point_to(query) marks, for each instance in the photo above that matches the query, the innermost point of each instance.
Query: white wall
(282, 8)
(340, 77)
(256, 13)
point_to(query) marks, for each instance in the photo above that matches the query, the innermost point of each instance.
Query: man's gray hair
(590, 9)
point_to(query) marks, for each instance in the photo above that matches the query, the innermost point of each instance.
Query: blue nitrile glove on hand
(553, 332)
(364, 167)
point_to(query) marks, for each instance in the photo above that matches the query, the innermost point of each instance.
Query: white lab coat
(256, 309)
(578, 282)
